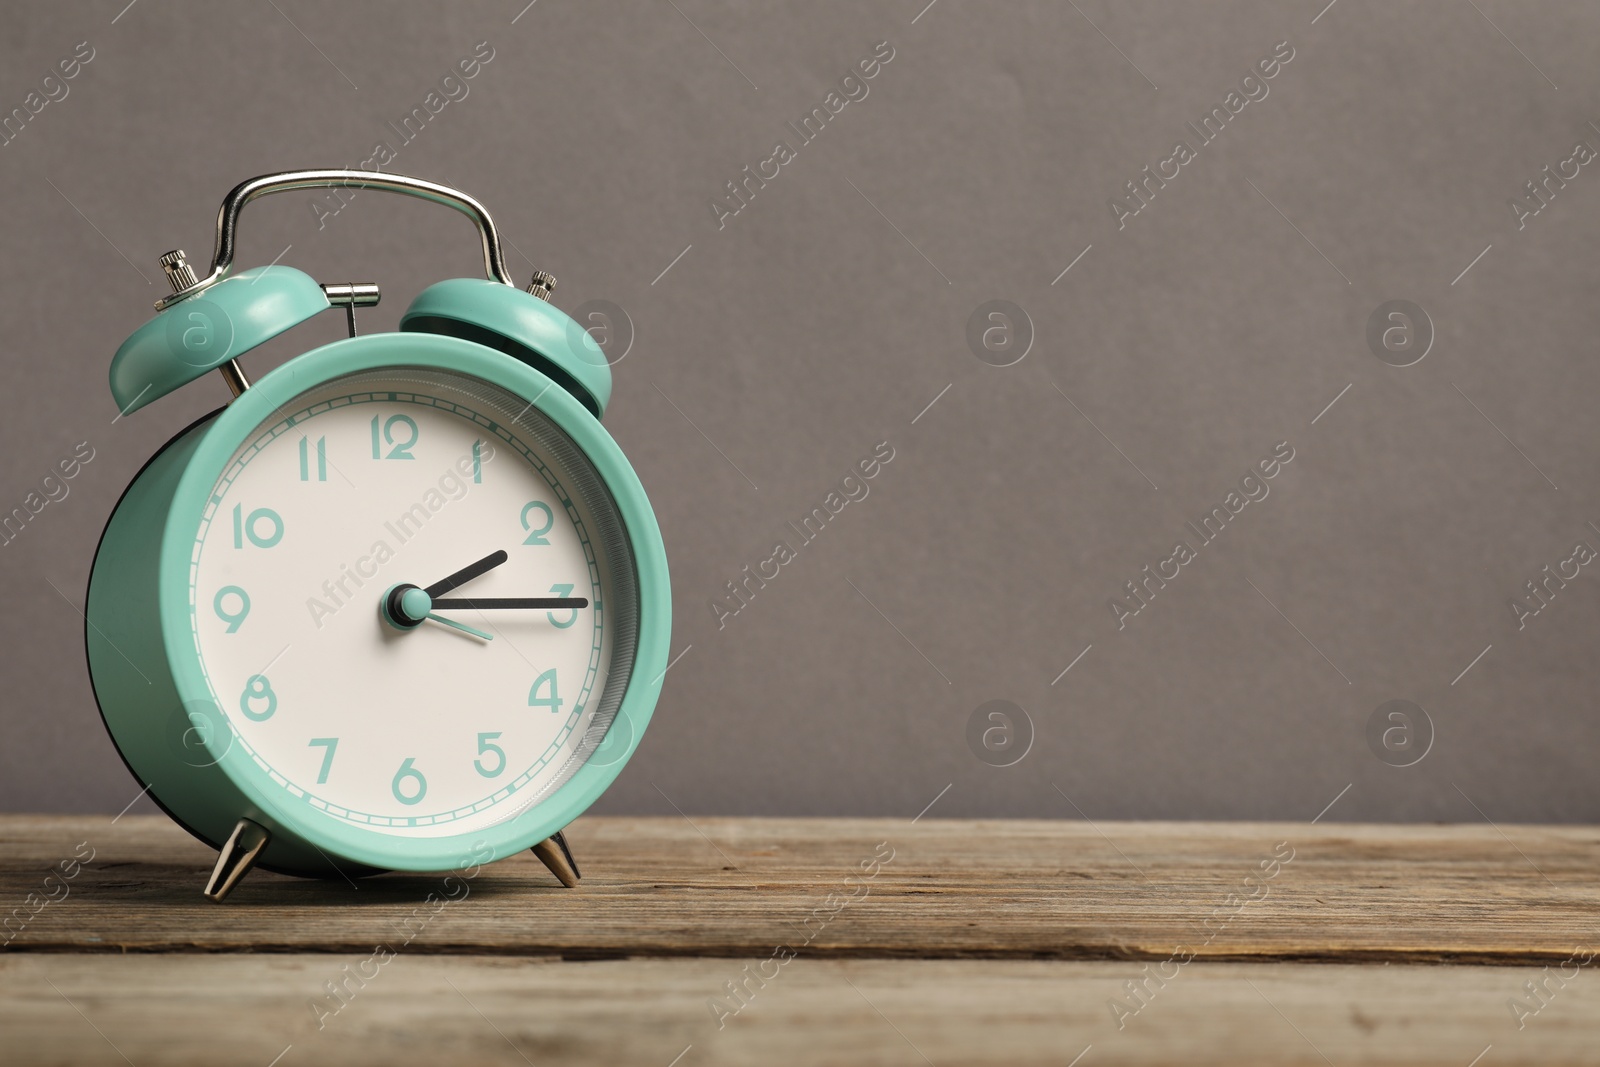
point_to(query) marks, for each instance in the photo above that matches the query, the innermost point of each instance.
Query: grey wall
(824, 317)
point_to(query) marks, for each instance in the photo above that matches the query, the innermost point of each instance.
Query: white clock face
(403, 478)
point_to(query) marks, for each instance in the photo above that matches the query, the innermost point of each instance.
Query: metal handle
(287, 181)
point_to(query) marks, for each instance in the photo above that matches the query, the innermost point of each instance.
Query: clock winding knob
(179, 273)
(541, 285)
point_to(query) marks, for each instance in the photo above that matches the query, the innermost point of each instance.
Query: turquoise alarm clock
(402, 604)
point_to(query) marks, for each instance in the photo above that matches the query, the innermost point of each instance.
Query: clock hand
(466, 574)
(536, 603)
(407, 607)
(459, 626)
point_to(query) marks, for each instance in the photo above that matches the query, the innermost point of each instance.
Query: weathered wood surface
(429, 1010)
(739, 887)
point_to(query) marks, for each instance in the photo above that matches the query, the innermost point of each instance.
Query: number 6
(408, 771)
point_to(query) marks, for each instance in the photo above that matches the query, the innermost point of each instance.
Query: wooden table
(812, 941)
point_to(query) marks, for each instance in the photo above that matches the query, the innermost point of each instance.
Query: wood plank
(418, 1009)
(738, 887)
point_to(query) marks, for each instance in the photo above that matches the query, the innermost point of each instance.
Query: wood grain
(953, 890)
(419, 1009)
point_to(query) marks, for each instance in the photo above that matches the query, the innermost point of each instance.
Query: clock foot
(244, 847)
(554, 854)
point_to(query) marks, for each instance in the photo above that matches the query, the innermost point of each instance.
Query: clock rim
(377, 352)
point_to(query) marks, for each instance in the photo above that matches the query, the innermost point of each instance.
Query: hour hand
(467, 573)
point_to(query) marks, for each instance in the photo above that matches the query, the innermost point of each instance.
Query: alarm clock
(402, 604)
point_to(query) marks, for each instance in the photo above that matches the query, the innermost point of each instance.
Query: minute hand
(536, 603)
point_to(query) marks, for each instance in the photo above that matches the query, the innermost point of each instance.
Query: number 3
(562, 591)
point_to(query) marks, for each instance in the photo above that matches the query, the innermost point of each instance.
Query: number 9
(234, 620)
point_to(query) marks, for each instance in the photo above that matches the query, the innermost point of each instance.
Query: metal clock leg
(244, 847)
(554, 854)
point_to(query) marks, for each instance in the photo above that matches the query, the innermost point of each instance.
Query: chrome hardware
(352, 295)
(541, 284)
(179, 273)
(360, 294)
(233, 374)
(228, 216)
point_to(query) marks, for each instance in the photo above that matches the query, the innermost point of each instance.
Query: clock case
(154, 701)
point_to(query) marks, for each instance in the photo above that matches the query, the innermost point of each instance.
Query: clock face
(403, 477)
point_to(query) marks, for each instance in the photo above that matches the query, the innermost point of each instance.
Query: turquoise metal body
(530, 330)
(154, 699)
(200, 334)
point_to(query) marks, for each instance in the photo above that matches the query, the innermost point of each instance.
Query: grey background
(827, 315)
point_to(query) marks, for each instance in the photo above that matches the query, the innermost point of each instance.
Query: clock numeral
(408, 771)
(536, 537)
(562, 591)
(477, 462)
(399, 449)
(258, 688)
(233, 619)
(551, 699)
(251, 527)
(486, 744)
(322, 459)
(329, 743)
